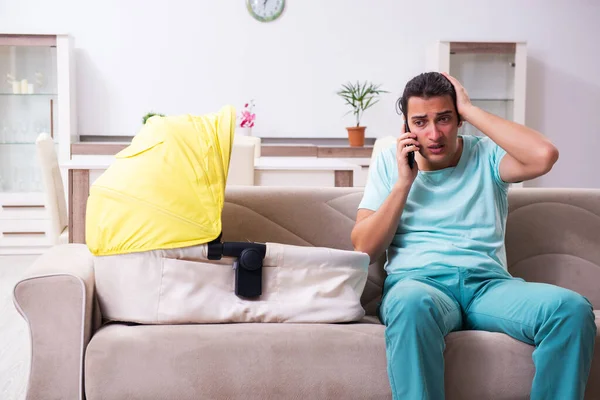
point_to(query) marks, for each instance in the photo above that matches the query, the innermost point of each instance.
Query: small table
(79, 190)
(296, 171)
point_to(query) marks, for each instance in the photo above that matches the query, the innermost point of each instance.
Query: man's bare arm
(529, 153)
(374, 230)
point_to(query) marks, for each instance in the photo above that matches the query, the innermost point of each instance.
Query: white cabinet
(36, 95)
(494, 74)
(24, 223)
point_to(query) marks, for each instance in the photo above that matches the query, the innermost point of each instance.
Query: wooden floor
(14, 335)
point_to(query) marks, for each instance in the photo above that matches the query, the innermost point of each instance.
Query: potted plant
(150, 114)
(359, 96)
(247, 117)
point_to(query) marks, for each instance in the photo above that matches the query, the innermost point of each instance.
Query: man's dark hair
(426, 85)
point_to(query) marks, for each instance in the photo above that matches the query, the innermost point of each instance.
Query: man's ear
(460, 123)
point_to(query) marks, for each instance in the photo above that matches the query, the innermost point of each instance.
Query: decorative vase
(356, 136)
(244, 131)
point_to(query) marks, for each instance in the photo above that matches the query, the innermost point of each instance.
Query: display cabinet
(37, 94)
(494, 74)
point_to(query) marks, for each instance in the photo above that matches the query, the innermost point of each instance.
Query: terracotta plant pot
(356, 136)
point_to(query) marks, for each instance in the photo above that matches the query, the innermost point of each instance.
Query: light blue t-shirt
(453, 217)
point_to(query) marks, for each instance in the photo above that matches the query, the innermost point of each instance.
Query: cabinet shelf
(490, 99)
(27, 94)
(37, 190)
(21, 143)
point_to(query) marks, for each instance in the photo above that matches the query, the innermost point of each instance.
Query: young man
(442, 223)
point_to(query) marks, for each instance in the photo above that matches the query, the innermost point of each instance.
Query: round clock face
(265, 10)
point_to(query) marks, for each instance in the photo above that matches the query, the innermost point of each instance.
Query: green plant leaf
(360, 96)
(150, 114)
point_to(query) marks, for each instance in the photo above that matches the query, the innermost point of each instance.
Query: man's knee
(574, 309)
(413, 302)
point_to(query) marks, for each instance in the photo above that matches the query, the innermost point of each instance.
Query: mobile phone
(411, 154)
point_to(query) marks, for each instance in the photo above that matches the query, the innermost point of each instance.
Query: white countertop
(262, 163)
(88, 162)
(304, 164)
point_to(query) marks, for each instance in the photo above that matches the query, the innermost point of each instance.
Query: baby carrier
(153, 224)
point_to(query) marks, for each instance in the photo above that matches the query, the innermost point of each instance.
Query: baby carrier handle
(248, 264)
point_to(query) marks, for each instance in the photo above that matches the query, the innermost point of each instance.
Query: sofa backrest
(553, 235)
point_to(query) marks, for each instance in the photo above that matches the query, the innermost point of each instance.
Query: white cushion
(382, 143)
(299, 284)
(256, 141)
(64, 236)
(56, 203)
(241, 165)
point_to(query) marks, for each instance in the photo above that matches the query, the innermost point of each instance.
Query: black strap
(215, 248)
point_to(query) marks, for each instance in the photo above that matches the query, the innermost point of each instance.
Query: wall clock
(265, 10)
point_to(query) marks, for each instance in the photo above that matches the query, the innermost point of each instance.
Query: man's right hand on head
(406, 143)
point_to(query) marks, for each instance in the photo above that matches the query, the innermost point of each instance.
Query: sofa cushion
(291, 361)
(237, 361)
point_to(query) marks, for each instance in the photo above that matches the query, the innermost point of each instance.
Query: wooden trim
(482, 47)
(27, 40)
(97, 149)
(52, 118)
(345, 152)
(22, 233)
(79, 190)
(22, 206)
(520, 85)
(266, 150)
(288, 151)
(344, 178)
(110, 149)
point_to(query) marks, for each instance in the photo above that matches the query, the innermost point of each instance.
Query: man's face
(435, 123)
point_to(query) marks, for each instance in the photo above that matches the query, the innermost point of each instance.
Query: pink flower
(247, 117)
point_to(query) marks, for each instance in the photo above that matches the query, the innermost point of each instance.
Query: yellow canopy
(166, 190)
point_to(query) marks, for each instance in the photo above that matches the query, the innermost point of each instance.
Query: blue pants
(421, 306)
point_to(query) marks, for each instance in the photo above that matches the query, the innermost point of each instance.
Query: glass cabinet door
(494, 74)
(28, 106)
(489, 79)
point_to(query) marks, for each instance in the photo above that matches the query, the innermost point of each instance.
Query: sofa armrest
(56, 299)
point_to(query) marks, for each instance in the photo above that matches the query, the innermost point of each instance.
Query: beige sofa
(553, 236)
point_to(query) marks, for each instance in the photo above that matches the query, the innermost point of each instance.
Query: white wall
(194, 56)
